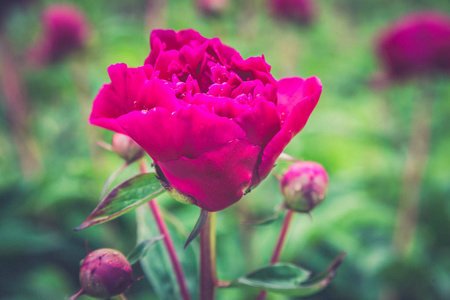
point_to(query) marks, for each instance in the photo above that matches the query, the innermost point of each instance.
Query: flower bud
(126, 148)
(304, 186)
(105, 273)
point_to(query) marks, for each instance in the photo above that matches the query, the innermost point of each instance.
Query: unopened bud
(304, 186)
(126, 148)
(105, 273)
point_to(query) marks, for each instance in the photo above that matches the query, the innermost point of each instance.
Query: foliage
(358, 135)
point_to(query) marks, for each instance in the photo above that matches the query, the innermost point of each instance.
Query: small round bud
(126, 148)
(105, 273)
(304, 186)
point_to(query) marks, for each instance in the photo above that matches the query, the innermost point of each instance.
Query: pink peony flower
(304, 186)
(65, 30)
(418, 44)
(301, 11)
(213, 122)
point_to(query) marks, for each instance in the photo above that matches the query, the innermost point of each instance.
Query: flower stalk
(208, 272)
(415, 165)
(157, 215)
(170, 249)
(279, 246)
(17, 110)
(282, 237)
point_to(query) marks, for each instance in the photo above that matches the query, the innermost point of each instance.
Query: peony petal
(223, 53)
(189, 37)
(118, 97)
(229, 108)
(153, 131)
(118, 75)
(165, 62)
(253, 68)
(294, 89)
(217, 178)
(192, 56)
(260, 123)
(156, 93)
(294, 122)
(188, 132)
(106, 108)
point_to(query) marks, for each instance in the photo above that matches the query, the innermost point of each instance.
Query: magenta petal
(294, 122)
(152, 130)
(163, 63)
(188, 132)
(217, 178)
(192, 56)
(229, 108)
(223, 52)
(292, 90)
(118, 74)
(253, 68)
(156, 93)
(106, 108)
(260, 123)
(168, 38)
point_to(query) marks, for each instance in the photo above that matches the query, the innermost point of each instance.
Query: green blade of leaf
(197, 227)
(123, 198)
(140, 250)
(289, 279)
(265, 221)
(157, 265)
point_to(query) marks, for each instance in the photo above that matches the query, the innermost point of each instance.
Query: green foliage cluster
(359, 135)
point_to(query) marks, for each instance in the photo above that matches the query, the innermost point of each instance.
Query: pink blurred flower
(212, 7)
(301, 11)
(418, 44)
(65, 30)
(304, 186)
(213, 122)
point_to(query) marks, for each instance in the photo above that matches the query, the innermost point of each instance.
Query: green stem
(414, 170)
(208, 273)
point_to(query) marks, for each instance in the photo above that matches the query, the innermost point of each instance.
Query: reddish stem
(279, 246)
(16, 109)
(208, 273)
(167, 242)
(277, 251)
(170, 249)
(78, 294)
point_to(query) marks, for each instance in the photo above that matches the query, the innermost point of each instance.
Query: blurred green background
(358, 134)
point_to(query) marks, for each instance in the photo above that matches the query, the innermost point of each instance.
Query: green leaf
(126, 196)
(197, 227)
(157, 265)
(263, 222)
(289, 279)
(140, 250)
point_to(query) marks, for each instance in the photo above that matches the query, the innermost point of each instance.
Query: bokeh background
(52, 172)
